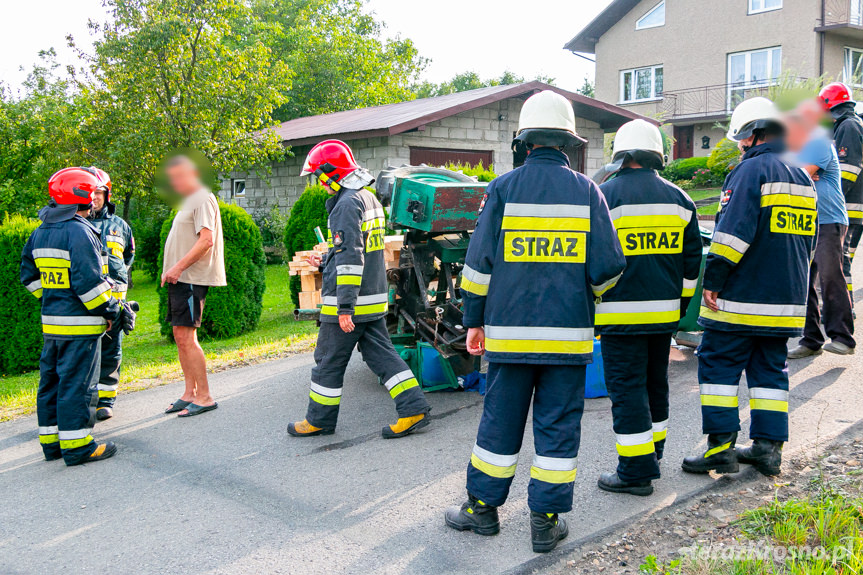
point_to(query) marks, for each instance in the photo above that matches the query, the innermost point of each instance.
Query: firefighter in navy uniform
(63, 265)
(544, 248)
(355, 295)
(658, 229)
(755, 291)
(848, 139)
(119, 244)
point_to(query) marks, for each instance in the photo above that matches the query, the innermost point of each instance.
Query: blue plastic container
(596, 375)
(433, 373)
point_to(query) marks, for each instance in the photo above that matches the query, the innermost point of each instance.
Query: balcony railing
(839, 13)
(708, 102)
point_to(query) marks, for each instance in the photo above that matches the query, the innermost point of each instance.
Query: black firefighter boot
(474, 515)
(612, 482)
(719, 457)
(764, 455)
(546, 530)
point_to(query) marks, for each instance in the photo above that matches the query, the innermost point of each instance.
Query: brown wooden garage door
(442, 156)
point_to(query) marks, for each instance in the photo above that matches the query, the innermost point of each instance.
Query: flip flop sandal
(195, 409)
(178, 405)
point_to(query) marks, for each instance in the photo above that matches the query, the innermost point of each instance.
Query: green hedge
(723, 158)
(308, 212)
(20, 312)
(478, 171)
(148, 245)
(235, 308)
(683, 169)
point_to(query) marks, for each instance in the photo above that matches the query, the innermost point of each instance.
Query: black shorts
(186, 304)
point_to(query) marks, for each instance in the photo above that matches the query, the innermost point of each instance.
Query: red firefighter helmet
(104, 179)
(834, 94)
(331, 160)
(72, 186)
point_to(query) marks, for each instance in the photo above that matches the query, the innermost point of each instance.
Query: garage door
(442, 156)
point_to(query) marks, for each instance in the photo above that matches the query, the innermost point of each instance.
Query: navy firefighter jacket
(848, 139)
(762, 246)
(118, 242)
(543, 250)
(658, 229)
(63, 265)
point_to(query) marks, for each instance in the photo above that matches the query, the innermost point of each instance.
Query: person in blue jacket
(544, 248)
(63, 265)
(755, 283)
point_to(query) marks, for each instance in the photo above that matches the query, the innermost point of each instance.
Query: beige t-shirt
(198, 211)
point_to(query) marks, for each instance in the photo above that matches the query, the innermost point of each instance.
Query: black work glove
(128, 315)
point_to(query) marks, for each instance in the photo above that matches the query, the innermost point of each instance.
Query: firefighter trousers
(109, 374)
(722, 359)
(66, 400)
(636, 375)
(852, 240)
(557, 394)
(827, 269)
(334, 350)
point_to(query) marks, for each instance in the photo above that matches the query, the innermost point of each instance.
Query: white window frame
(748, 84)
(653, 95)
(847, 73)
(234, 193)
(763, 10)
(639, 26)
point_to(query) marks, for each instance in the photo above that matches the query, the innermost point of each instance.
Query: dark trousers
(852, 240)
(557, 392)
(828, 269)
(332, 354)
(66, 400)
(722, 359)
(109, 374)
(636, 375)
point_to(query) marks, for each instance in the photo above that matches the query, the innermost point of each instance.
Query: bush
(20, 312)
(148, 244)
(479, 172)
(685, 185)
(703, 178)
(683, 169)
(723, 158)
(236, 308)
(272, 228)
(308, 212)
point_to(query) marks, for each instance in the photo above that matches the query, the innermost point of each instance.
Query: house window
(852, 72)
(655, 17)
(238, 188)
(757, 6)
(641, 84)
(750, 73)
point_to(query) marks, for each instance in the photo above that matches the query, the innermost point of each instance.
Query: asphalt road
(230, 493)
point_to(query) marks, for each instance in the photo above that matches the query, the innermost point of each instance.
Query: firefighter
(118, 242)
(848, 139)
(355, 295)
(658, 229)
(544, 248)
(755, 290)
(63, 265)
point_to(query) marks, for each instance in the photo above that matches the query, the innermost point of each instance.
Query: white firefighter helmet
(858, 108)
(547, 119)
(638, 135)
(751, 115)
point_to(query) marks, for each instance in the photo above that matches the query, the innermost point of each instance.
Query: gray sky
(486, 36)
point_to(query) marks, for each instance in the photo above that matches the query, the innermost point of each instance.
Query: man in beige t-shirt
(193, 261)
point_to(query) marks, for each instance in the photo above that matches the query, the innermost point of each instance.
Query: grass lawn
(709, 210)
(705, 193)
(150, 360)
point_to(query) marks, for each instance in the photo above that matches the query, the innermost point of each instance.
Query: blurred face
(797, 132)
(744, 145)
(98, 199)
(183, 178)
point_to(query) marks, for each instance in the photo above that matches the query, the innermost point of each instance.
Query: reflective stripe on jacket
(848, 139)
(119, 243)
(62, 264)
(763, 242)
(658, 230)
(544, 248)
(354, 274)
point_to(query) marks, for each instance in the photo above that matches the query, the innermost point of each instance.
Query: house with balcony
(689, 63)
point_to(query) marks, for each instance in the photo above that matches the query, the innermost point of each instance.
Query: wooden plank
(311, 281)
(310, 300)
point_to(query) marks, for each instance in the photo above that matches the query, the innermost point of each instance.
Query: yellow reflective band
(789, 200)
(52, 263)
(49, 438)
(52, 329)
(637, 318)
(472, 287)
(538, 346)
(636, 450)
(599, 291)
(349, 280)
(726, 252)
(552, 476)
(323, 399)
(850, 287)
(719, 400)
(119, 294)
(549, 224)
(855, 214)
(375, 241)
(648, 241)
(799, 222)
(546, 247)
(753, 320)
(687, 292)
(652, 221)
(55, 278)
(358, 310)
(850, 176)
(100, 299)
(73, 443)
(104, 393)
(403, 386)
(375, 223)
(37, 293)
(716, 450)
(493, 470)
(659, 435)
(769, 405)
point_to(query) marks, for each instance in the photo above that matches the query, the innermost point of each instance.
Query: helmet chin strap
(324, 179)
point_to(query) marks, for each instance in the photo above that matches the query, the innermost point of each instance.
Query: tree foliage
(307, 213)
(470, 81)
